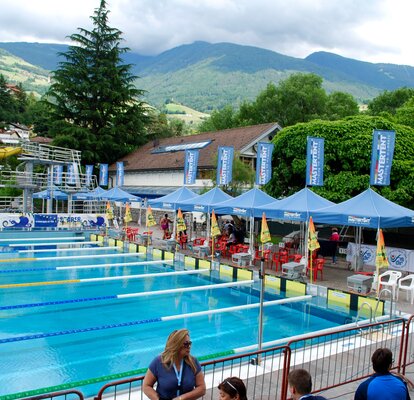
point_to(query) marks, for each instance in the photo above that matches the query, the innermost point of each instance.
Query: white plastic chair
(409, 288)
(391, 280)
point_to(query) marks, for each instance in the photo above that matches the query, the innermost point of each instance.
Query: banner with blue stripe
(190, 166)
(225, 165)
(120, 173)
(264, 163)
(383, 143)
(314, 161)
(103, 175)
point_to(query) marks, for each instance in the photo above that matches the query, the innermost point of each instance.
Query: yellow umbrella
(109, 211)
(150, 220)
(180, 221)
(128, 215)
(215, 231)
(313, 243)
(381, 260)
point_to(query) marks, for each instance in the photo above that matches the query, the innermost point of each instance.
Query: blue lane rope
(56, 302)
(72, 331)
(8, 271)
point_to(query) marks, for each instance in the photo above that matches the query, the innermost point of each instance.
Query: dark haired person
(334, 239)
(232, 389)
(383, 385)
(300, 385)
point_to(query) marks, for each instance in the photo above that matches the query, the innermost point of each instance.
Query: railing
(46, 152)
(345, 351)
(42, 180)
(409, 345)
(64, 395)
(333, 359)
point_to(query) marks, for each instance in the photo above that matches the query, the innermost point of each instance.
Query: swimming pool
(65, 316)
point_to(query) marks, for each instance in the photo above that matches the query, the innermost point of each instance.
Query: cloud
(295, 27)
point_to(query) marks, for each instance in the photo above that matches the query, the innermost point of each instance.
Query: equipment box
(360, 283)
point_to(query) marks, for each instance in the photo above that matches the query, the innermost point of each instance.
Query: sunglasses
(187, 344)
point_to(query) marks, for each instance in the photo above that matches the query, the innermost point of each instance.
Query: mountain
(206, 76)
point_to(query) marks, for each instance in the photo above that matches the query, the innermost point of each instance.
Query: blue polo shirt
(167, 384)
(382, 387)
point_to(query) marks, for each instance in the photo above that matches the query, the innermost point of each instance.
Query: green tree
(95, 105)
(7, 103)
(219, 120)
(302, 98)
(347, 159)
(390, 101)
(340, 105)
(405, 114)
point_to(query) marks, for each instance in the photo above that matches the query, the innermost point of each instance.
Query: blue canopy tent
(95, 194)
(51, 194)
(297, 207)
(245, 205)
(117, 194)
(205, 203)
(366, 210)
(47, 194)
(173, 201)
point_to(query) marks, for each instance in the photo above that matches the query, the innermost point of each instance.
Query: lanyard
(179, 375)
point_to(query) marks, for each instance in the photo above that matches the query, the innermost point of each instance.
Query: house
(157, 168)
(14, 134)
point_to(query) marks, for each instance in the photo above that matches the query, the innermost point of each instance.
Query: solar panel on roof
(181, 147)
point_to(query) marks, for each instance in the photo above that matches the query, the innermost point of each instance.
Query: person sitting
(300, 385)
(383, 384)
(232, 239)
(232, 388)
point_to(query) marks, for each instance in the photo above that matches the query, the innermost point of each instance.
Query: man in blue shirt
(383, 385)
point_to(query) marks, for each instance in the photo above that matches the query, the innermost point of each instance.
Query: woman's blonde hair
(172, 348)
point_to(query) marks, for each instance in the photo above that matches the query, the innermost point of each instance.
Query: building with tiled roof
(157, 168)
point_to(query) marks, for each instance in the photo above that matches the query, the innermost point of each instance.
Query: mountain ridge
(207, 76)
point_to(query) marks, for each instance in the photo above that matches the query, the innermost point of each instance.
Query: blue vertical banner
(225, 165)
(57, 174)
(89, 173)
(264, 163)
(190, 166)
(120, 173)
(314, 161)
(103, 175)
(71, 178)
(383, 143)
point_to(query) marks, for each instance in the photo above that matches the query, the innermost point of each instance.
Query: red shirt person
(334, 239)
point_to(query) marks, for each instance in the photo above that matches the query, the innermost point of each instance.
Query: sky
(367, 30)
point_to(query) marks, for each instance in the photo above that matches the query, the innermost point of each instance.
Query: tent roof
(117, 194)
(206, 201)
(54, 193)
(368, 209)
(245, 204)
(173, 200)
(95, 194)
(297, 207)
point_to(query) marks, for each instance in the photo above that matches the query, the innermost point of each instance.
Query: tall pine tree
(95, 105)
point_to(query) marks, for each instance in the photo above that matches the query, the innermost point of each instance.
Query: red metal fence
(347, 352)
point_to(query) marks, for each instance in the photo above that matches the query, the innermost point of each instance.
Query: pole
(262, 288)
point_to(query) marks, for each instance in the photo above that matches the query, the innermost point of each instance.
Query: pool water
(97, 337)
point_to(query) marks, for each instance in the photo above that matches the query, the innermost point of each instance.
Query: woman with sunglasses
(232, 389)
(177, 373)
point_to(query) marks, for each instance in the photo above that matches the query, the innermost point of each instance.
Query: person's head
(178, 347)
(166, 215)
(232, 388)
(300, 383)
(334, 229)
(382, 360)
